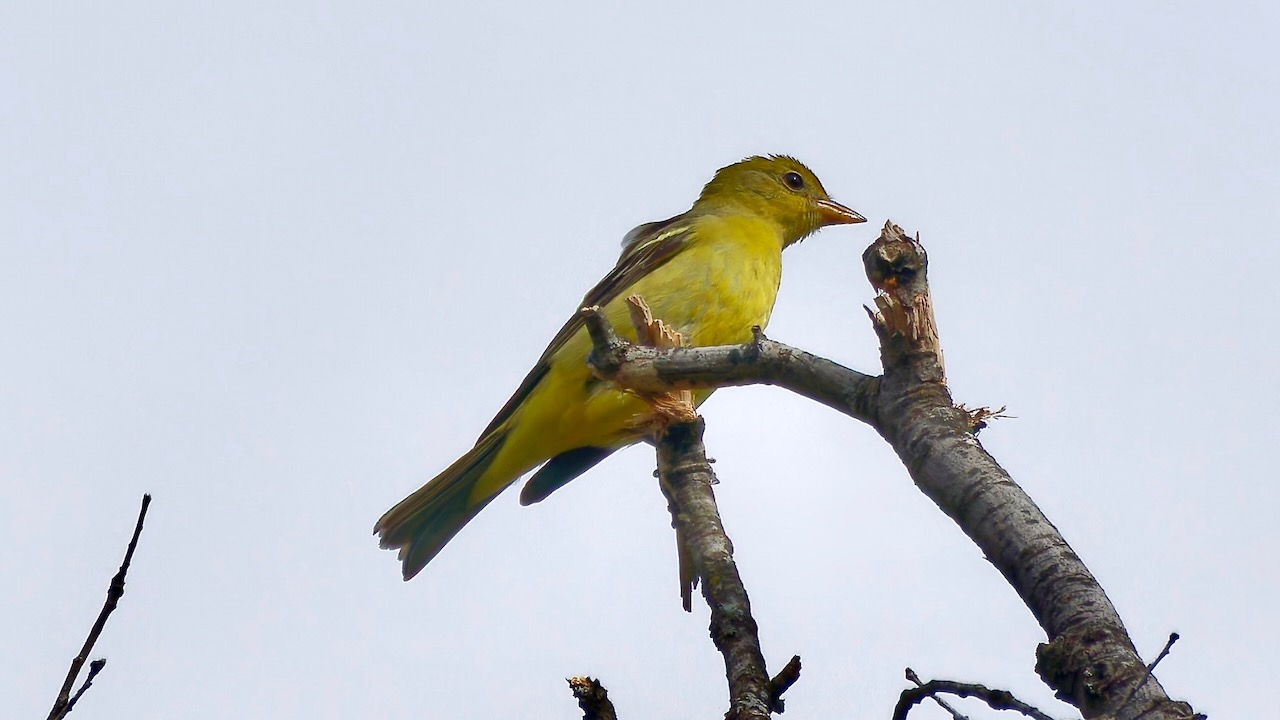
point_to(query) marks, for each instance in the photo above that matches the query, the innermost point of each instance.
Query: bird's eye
(793, 180)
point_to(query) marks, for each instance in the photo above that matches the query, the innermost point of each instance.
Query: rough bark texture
(760, 362)
(686, 477)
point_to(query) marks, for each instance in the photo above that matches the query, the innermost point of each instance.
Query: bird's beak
(831, 212)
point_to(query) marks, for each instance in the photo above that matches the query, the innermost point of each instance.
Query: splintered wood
(896, 265)
(669, 407)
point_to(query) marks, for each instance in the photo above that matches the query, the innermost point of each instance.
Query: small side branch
(65, 700)
(995, 699)
(955, 714)
(781, 682)
(95, 667)
(1164, 652)
(593, 699)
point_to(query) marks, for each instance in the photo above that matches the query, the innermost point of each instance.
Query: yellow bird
(711, 273)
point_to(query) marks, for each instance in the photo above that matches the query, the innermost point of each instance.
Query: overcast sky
(279, 263)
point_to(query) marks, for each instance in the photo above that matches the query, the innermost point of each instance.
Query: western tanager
(711, 273)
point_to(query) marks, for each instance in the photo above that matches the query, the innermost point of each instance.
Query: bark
(687, 478)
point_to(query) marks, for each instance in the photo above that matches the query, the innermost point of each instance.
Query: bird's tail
(421, 524)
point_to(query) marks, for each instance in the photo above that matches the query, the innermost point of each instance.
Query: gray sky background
(279, 263)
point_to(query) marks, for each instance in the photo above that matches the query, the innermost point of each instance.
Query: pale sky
(279, 263)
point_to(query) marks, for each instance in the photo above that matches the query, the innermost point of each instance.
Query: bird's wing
(559, 470)
(645, 249)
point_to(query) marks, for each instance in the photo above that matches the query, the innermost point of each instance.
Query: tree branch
(781, 682)
(593, 699)
(685, 477)
(760, 362)
(1089, 660)
(95, 667)
(65, 701)
(955, 714)
(995, 699)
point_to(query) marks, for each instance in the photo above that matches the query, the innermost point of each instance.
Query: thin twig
(995, 699)
(1173, 638)
(62, 705)
(955, 714)
(95, 667)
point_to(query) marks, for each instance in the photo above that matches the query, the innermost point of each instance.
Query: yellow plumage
(711, 273)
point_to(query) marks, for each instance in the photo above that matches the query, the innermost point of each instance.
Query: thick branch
(65, 701)
(1090, 660)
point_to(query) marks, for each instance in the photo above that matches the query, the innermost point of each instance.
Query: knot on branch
(1085, 669)
(1076, 666)
(895, 259)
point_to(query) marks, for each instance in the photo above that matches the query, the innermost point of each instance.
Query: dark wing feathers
(559, 470)
(645, 249)
(649, 230)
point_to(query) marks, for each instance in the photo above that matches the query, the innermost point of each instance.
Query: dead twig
(785, 678)
(995, 699)
(979, 417)
(955, 714)
(65, 701)
(1168, 645)
(592, 698)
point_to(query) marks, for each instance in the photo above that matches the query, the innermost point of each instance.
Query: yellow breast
(722, 285)
(713, 292)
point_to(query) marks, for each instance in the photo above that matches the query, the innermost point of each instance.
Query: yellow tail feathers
(421, 524)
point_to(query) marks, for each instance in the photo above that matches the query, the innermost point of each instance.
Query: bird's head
(780, 189)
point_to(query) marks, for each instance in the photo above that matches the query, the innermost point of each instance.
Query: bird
(711, 273)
